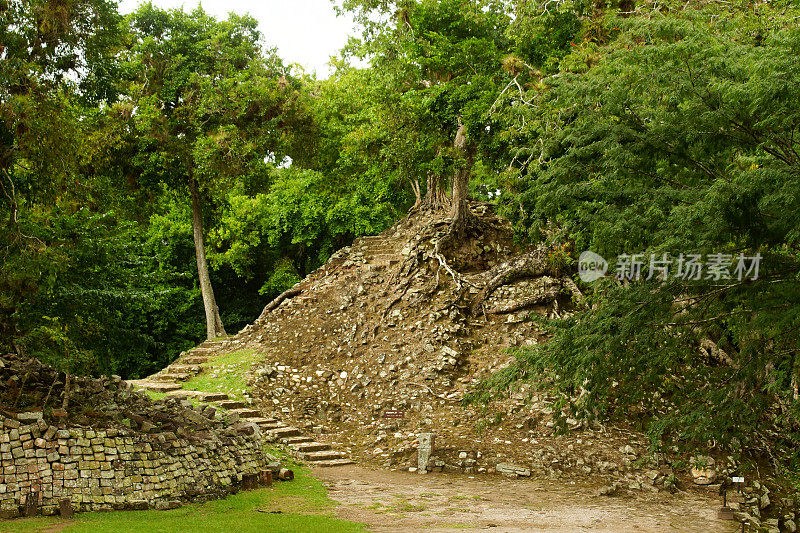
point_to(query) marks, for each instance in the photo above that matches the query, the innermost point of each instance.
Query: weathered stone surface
(512, 470)
(31, 504)
(249, 481)
(703, 470)
(425, 450)
(65, 508)
(265, 477)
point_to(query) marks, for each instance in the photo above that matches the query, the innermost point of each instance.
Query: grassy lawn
(301, 505)
(224, 373)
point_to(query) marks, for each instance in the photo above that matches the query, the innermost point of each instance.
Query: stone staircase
(182, 369)
(377, 250)
(171, 379)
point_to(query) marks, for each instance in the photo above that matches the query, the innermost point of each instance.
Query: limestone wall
(117, 469)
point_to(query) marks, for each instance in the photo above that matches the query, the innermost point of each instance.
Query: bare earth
(390, 501)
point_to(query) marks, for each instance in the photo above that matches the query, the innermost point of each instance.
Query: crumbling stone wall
(116, 469)
(112, 447)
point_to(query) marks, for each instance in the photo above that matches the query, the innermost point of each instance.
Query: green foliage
(206, 101)
(542, 36)
(283, 277)
(284, 233)
(678, 136)
(433, 63)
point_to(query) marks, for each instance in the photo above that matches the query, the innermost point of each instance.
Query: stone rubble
(373, 354)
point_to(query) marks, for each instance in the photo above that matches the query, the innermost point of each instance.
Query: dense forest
(164, 176)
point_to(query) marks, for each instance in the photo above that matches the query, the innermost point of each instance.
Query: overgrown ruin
(111, 447)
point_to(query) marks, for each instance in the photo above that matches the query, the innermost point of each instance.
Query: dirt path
(400, 501)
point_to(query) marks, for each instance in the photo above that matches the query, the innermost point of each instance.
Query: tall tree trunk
(214, 327)
(435, 195)
(461, 212)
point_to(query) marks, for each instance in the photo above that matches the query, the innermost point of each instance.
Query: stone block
(65, 508)
(508, 469)
(425, 450)
(265, 477)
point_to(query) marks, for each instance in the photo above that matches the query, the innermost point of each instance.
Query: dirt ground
(389, 501)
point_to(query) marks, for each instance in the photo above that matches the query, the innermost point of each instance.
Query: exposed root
(285, 295)
(549, 295)
(530, 265)
(458, 279)
(717, 354)
(397, 299)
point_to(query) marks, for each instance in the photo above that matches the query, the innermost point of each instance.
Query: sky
(307, 32)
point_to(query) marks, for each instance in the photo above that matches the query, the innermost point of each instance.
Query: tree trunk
(435, 196)
(214, 327)
(461, 212)
(417, 195)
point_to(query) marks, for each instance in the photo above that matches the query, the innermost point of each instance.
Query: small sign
(394, 414)
(725, 513)
(738, 480)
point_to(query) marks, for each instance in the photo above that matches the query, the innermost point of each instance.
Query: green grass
(155, 395)
(224, 373)
(301, 505)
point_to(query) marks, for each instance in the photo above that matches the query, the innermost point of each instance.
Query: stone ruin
(111, 447)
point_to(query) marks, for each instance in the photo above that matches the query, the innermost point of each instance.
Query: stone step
(333, 462)
(199, 352)
(309, 446)
(321, 456)
(193, 360)
(231, 404)
(212, 344)
(185, 369)
(269, 425)
(286, 431)
(156, 386)
(264, 421)
(198, 395)
(297, 439)
(246, 413)
(171, 377)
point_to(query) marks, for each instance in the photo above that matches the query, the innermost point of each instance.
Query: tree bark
(214, 327)
(435, 195)
(461, 212)
(417, 194)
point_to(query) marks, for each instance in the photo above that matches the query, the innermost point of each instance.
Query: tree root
(530, 265)
(716, 353)
(285, 295)
(550, 294)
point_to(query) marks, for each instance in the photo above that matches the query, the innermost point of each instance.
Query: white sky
(307, 32)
